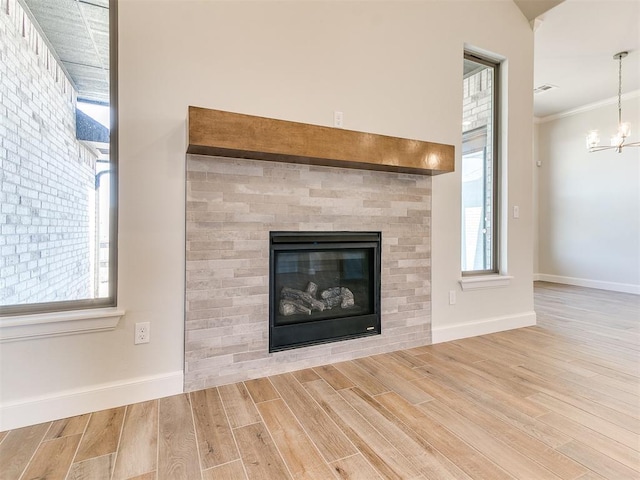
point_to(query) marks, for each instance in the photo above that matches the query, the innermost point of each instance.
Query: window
(480, 172)
(58, 143)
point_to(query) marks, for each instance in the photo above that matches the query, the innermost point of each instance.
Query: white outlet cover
(142, 333)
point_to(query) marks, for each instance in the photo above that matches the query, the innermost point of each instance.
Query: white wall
(392, 67)
(536, 196)
(487, 310)
(589, 203)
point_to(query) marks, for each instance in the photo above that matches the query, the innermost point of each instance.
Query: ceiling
(78, 31)
(575, 41)
(534, 8)
(574, 47)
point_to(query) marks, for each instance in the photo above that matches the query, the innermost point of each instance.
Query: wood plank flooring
(560, 400)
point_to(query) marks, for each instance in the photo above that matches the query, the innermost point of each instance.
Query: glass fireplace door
(324, 285)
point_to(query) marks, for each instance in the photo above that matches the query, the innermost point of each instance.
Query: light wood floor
(555, 401)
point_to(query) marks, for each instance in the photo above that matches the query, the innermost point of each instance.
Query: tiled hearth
(233, 204)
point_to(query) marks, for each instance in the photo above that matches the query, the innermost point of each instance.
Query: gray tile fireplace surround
(233, 204)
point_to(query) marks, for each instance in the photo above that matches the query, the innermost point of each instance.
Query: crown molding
(586, 108)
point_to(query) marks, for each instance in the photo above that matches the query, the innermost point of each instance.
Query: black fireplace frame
(296, 335)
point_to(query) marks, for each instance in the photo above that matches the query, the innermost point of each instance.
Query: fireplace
(234, 204)
(247, 176)
(323, 287)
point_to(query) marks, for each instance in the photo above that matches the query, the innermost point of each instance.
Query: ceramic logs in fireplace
(323, 287)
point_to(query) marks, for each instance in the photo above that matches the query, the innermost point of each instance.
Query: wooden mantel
(226, 134)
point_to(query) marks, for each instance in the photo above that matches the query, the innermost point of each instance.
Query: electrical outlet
(338, 119)
(452, 297)
(142, 333)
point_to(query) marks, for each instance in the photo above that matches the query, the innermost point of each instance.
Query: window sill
(484, 281)
(43, 325)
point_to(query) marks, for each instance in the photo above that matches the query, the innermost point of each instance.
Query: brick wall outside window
(47, 176)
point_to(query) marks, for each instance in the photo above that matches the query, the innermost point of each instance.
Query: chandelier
(624, 128)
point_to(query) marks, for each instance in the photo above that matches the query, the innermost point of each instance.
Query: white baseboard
(482, 327)
(69, 403)
(585, 282)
